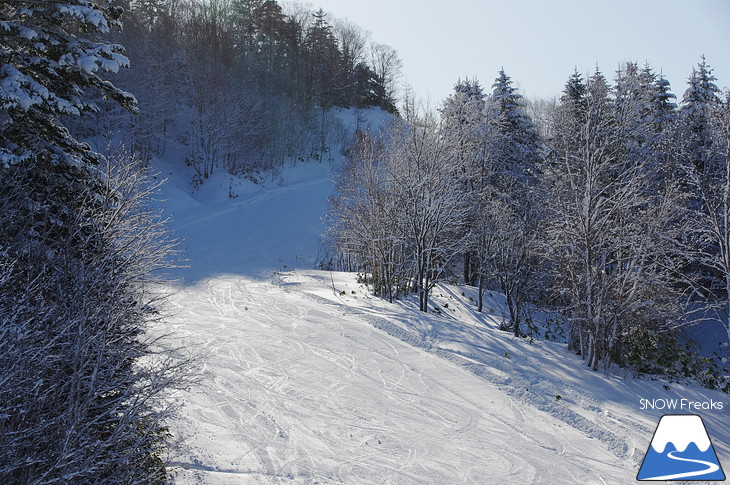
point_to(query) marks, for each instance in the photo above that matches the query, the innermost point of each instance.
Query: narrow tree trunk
(424, 292)
(581, 344)
(595, 353)
(480, 303)
(467, 268)
(591, 349)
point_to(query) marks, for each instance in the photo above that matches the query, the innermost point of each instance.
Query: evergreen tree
(632, 96)
(701, 150)
(323, 58)
(510, 102)
(463, 122)
(608, 233)
(518, 150)
(664, 110)
(44, 71)
(574, 93)
(700, 99)
(658, 123)
(463, 119)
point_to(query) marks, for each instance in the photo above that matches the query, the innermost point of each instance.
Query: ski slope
(306, 378)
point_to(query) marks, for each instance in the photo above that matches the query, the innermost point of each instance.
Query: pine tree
(514, 208)
(463, 122)
(664, 110)
(44, 71)
(607, 232)
(323, 58)
(632, 96)
(574, 93)
(702, 153)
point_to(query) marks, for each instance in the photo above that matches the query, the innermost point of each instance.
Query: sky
(539, 43)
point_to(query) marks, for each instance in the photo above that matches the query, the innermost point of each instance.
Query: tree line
(243, 85)
(610, 207)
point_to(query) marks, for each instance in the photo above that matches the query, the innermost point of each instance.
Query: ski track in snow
(300, 385)
(294, 390)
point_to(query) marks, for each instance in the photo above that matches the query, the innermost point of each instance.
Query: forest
(244, 83)
(609, 207)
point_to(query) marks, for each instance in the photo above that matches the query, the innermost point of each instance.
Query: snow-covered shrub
(80, 388)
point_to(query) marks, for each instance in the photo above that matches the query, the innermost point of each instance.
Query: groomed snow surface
(306, 378)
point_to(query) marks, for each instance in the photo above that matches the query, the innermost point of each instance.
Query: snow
(88, 64)
(370, 119)
(305, 377)
(87, 14)
(26, 32)
(17, 89)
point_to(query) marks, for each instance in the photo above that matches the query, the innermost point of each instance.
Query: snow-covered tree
(663, 109)
(509, 236)
(363, 218)
(520, 143)
(698, 103)
(464, 123)
(434, 207)
(513, 209)
(702, 147)
(698, 145)
(607, 234)
(44, 70)
(80, 389)
(400, 209)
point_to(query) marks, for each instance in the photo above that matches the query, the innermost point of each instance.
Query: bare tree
(83, 392)
(362, 217)
(353, 41)
(387, 66)
(433, 206)
(400, 206)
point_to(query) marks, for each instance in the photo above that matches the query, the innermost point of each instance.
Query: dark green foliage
(46, 68)
(653, 353)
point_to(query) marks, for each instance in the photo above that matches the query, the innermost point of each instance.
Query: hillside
(307, 378)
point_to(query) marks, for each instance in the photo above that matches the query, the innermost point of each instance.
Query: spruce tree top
(702, 90)
(49, 59)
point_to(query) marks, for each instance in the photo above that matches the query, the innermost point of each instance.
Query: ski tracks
(586, 416)
(297, 389)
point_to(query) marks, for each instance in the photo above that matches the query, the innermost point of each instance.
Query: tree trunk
(480, 298)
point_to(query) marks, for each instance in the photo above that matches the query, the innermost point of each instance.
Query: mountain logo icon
(681, 450)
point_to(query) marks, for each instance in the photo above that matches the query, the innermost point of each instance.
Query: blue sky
(539, 43)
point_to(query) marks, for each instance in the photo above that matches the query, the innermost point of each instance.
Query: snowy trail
(255, 234)
(300, 384)
(296, 391)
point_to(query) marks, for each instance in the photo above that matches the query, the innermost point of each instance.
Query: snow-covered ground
(306, 378)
